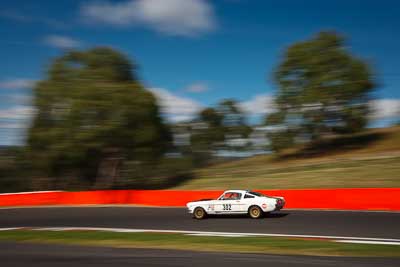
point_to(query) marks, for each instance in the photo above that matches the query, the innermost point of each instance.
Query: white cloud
(17, 16)
(259, 105)
(17, 84)
(8, 136)
(19, 99)
(13, 122)
(385, 108)
(63, 42)
(173, 17)
(197, 88)
(176, 108)
(381, 108)
(12, 125)
(17, 113)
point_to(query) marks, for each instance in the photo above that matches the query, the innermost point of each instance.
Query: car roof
(236, 191)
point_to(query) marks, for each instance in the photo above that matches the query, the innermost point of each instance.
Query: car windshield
(258, 194)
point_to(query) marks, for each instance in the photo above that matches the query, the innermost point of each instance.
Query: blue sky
(191, 53)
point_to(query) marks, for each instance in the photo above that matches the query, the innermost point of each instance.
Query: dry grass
(371, 159)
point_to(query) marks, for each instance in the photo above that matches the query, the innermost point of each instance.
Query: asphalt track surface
(19, 254)
(333, 223)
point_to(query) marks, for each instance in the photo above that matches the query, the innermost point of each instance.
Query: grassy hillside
(371, 159)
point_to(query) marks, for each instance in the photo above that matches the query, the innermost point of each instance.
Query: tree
(233, 118)
(216, 126)
(207, 134)
(91, 114)
(322, 89)
(211, 117)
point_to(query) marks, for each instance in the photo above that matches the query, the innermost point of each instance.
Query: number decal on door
(226, 206)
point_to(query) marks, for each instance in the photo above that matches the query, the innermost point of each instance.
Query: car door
(247, 201)
(237, 203)
(228, 203)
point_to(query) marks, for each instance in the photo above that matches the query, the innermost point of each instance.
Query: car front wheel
(199, 213)
(255, 212)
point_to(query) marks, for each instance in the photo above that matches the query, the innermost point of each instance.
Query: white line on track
(29, 192)
(341, 239)
(10, 229)
(222, 234)
(368, 242)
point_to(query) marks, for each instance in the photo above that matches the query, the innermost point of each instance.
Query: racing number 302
(226, 207)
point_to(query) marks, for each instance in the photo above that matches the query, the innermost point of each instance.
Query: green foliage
(323, 89)
(233, 118)
(207, 134)
(14, 170)
(92, 114)
(167, 172)
(214, 127)
(213, 131)
(211, 117)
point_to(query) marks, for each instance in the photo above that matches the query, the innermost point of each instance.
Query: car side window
(231, 196)
(226, 196)
(236, 196)
(248, 196)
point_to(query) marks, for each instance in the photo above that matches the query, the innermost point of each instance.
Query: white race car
(236, 202)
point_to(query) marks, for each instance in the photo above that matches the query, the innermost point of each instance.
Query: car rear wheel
(255, 212)
(199, 213)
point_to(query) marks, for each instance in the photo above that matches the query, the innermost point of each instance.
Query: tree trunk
(108, 170)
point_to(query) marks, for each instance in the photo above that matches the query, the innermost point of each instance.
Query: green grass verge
(269, 245)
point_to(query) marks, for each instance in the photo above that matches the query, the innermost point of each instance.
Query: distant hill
(370, 159)
(8, 149)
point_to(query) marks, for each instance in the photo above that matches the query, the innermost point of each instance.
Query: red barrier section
(345, 199)
(29, 199)
(171, 197)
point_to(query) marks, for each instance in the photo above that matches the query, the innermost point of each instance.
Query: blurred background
(196, 94)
